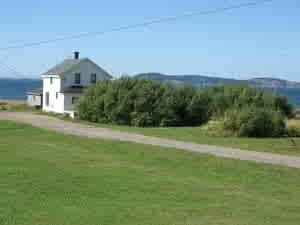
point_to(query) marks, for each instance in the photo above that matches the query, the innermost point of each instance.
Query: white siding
(55, 104)
(69, 106)
(34, 100)
(62, 103)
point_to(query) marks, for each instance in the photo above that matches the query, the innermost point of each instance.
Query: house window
(74, 100)
(93, 78)
(51, 80)
(56, 95)
(47, 99)
(34, 98)
(77, 78)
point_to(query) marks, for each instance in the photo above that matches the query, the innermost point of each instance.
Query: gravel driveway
(55, 124)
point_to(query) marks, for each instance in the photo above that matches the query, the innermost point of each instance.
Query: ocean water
(16, 89)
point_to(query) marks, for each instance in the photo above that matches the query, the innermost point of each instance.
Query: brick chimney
(76, 55)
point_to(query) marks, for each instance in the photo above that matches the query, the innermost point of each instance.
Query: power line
(7, 72)
(11, 69)
(144, 24)
(3, 69)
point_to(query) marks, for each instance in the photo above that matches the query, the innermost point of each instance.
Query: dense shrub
(174, 106)
(255, 122)
(293, 131)
(199, 108)
(246, 111)
(3, 106)
(239, 96)
(141, 102)
(281, 103)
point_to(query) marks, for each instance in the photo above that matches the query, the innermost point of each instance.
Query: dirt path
(55, 124)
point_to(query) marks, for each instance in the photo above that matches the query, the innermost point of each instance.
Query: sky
(258, 41)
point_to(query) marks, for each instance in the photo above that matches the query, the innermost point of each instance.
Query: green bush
(282, 104)
(238, 96)
(199, 108)
(293, 131)
(3, 107)
(174, 106)
(255, 122)
(141, 102)
(142, 120)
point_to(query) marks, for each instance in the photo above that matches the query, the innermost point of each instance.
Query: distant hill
(205, 81)
(273, 83)
(17, 88)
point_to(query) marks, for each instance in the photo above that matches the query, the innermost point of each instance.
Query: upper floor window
(77, 78)
(93, 78)
(51, 80)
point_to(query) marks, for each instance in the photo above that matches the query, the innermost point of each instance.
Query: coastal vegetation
(241, 110)
(61, 179)
(16, 106)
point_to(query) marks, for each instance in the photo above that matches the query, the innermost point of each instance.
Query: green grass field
(50, 178)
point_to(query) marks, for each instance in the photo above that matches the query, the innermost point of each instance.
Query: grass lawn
(50, 178)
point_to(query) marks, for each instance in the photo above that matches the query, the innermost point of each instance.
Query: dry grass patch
(12, 102)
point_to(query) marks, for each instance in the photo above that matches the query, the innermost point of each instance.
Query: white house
(64, 83)
(35, 98)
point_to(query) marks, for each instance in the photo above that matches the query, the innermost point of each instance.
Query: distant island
(205, 81)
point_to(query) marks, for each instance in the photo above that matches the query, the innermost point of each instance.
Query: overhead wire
(137, 25)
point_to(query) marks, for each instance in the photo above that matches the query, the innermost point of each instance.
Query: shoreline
(13, 101)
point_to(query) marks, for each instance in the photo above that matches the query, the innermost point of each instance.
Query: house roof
(69, 64)
(63, 67)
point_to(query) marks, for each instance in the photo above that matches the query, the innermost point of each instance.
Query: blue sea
(17, 88)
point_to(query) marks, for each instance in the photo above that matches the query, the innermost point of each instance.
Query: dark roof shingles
(68, 64)
(63, 67)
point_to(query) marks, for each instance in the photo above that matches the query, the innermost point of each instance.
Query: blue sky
(243, 43)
